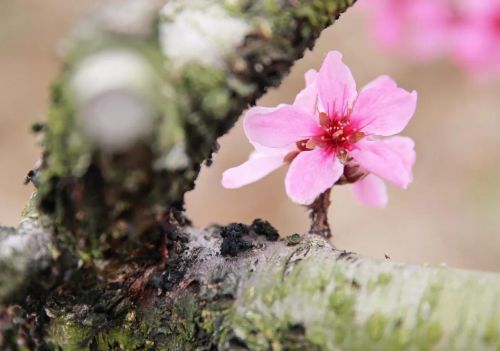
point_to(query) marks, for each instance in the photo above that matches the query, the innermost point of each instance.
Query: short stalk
(319, 215)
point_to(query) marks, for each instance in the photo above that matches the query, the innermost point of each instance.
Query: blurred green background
(450, 214)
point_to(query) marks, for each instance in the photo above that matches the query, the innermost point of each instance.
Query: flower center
(338, 136)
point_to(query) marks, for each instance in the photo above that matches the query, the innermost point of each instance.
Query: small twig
(319, 215)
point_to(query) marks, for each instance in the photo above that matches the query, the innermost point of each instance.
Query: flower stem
(319, 215)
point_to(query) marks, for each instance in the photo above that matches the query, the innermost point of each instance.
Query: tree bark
(106, 260)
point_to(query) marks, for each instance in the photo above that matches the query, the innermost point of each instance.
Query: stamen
(338, 134)
(324, 120)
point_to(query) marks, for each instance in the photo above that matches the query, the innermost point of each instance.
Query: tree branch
(291, 297)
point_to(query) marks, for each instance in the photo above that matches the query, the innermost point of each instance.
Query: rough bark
(105, 259)
(272, 294)
(23, 253)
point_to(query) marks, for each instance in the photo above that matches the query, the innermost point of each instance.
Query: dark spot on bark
(355, 284)
(37, 127)
(237, 344)
(178, 214)
(23, 325)
(30, 177)
(174, 272)
(156, 280)
(215, 148)
(298, 329)
(194, 287)
(232, 239)
(346, 255)
(343, 254)
(294, 338)
(264, 228)
(173, 275)
(6, 231)
(293, 239)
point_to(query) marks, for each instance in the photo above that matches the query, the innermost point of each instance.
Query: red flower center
(338, 136)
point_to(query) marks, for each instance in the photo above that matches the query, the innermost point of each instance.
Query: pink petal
(431, 23)
(310, 174)
(404, 147)
(391, 159)
(476, 40)
(336, 86)
(263, 151)
(382, 108)
(414, 27)
(387, 22)
(371, 191)
(279, 127)
(307, 99)
(311, 76)
(257, 167)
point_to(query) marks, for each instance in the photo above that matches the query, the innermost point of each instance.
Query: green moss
(272, 7)
(121, 340)
(200, 80)
(323, 301)
(69, 335)
(30, 209)
(160, 329)
(310, 14)
(236, 7)
(376, 325)
(384, 279)
(434, 332)
(492, 333)
(342, 301)
(217, 103)
(380, 281)
(324, 290)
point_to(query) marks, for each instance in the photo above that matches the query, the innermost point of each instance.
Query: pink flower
(419, 28)
(332, 134)
(477, 37)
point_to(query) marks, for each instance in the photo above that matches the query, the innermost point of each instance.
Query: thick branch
(294, 297)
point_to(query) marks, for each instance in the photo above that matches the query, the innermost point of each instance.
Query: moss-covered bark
(277, 296)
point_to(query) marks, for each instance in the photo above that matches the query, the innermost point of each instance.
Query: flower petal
(404, 147)
(279, 127)
(310, 77)
(264, 151)
(382, 108)
(336, 85)
(257, 167)
(371, 191)
(307, 99)
(391, 159)
(310, 174)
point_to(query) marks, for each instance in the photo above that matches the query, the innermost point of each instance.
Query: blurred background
(450, 214)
